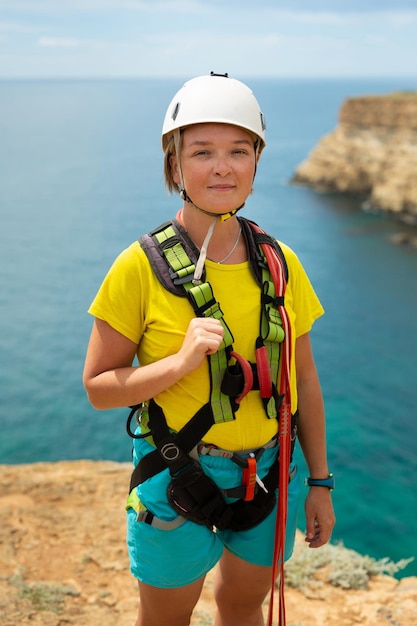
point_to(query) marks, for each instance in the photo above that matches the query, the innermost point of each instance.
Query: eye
(240, 152)
(199, 153)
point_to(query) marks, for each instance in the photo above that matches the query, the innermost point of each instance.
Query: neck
(226, 244)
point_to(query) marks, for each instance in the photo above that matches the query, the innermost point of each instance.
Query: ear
(173, 162)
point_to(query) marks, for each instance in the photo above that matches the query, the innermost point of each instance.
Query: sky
(185, 38)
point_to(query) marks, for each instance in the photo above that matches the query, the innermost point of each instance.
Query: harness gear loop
(136, 412)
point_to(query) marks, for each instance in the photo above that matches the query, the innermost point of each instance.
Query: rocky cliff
(371, 153)
(63, 560)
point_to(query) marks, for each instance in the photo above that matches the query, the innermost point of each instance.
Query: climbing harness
(191, 493)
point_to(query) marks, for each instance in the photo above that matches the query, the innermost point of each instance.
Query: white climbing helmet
(214, 98)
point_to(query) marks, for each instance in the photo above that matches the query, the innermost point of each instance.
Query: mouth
(222, 187)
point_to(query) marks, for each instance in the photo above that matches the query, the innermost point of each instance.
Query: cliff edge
(372, 153)
(63, 559)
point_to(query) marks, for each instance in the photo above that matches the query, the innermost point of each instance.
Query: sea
(81, 178)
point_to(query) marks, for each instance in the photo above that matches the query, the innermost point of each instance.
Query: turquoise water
(80, 178)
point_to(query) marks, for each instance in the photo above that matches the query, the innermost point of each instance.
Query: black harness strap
(191, 434)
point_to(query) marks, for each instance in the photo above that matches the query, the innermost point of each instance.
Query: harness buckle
(188, 475)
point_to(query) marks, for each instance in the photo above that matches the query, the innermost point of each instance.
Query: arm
(320, 517)
(110, 379)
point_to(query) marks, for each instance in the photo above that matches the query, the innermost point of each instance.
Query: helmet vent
(175, 111)
(263, 122)
(225, 75)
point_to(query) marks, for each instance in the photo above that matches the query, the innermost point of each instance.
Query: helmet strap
(223, 216)
(198, 272)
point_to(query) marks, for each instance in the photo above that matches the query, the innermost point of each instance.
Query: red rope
(277, 273)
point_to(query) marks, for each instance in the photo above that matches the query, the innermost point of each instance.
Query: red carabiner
(247, 375)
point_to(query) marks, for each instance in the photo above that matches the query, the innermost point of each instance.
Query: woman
(213, 136)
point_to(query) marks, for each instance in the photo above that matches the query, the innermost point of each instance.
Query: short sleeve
(119, 301)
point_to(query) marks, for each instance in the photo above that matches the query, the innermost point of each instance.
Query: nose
(222, 166)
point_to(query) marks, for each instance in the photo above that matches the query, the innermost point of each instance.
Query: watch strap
(328, 482)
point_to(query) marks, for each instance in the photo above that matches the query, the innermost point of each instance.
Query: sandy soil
(63, 559)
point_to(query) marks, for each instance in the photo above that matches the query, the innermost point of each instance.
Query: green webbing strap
(272, 334)
(204, 304)
(175, 255)
(271, 323)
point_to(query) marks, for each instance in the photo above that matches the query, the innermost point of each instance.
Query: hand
(203, 337)
(320, 517)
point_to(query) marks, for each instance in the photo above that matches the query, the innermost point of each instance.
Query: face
(218, 164)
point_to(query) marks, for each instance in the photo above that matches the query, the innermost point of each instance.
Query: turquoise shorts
(180, 556)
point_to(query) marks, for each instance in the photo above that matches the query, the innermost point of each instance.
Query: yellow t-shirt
(132, 301)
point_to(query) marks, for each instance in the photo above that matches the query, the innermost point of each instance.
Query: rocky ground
(63, 559)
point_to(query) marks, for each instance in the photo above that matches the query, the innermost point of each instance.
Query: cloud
(395, 17)
(185, 37)
(402, 18)
(317, 18)
(15, 27)
(161, 7)
(59, 42)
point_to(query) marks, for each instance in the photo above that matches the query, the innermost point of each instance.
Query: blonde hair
(170, 151)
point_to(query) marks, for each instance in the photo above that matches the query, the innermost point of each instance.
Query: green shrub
(46, 596)
(336, 565)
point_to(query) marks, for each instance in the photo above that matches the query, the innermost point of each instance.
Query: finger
(312, 529)
(206, 322)
(213, 326)
(322, 534)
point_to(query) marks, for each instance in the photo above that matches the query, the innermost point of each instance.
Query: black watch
(328, 482)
